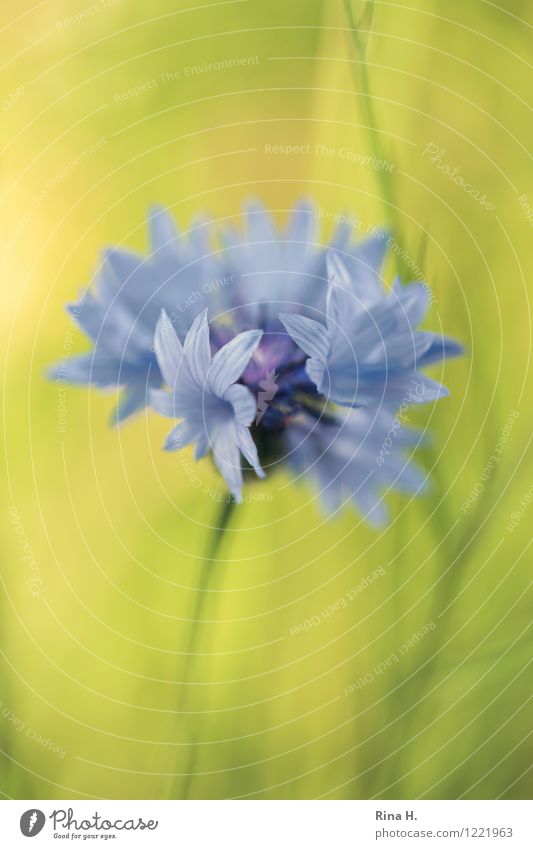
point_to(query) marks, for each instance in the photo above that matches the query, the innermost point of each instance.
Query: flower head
(274, 347)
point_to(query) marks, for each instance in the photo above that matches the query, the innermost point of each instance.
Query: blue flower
(216, 411)
(273, 347)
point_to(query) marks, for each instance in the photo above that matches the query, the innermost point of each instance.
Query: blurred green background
(102, 534)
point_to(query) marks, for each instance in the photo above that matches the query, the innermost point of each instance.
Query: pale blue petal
(202, 446)
(249, 450)
(414, 299)
(318, 373)
(243, 402)
(370, 254)
(261, 226)
(227, 460)
(363, 282)
(88, 314)
(163, 403)
(230, 361)
(183, 434)
(168, 349)
(197, 349)
(432, 389)
(371, 506)
(133, 398)
(302, 224)
(309, 335)
(88, 369)
(163, 231)
(121, 272)
(403, 475)
(441, 348)
(400, 351)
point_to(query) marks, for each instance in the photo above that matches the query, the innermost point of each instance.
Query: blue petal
(370, 254)
(203, 445)
(163, 231)
(309, 335)
(197, 349)
(441, 348)
(371, 506)
(132, 399)
(183, 434)
(414, 299)
(227, 460)
(168, 349)
(363, 282)
(261, 226)
(88, 314)
(88, 369)
(249, 449)
(163, 403)
(319, 375)
(122, 271)
(302, 224)
(243, 402)
(392, 389)
(230, 361)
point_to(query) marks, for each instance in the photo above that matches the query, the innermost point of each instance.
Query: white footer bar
(267, 824)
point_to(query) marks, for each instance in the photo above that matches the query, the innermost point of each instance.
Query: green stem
(195, 634)
(445, 595)
(362, 90)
